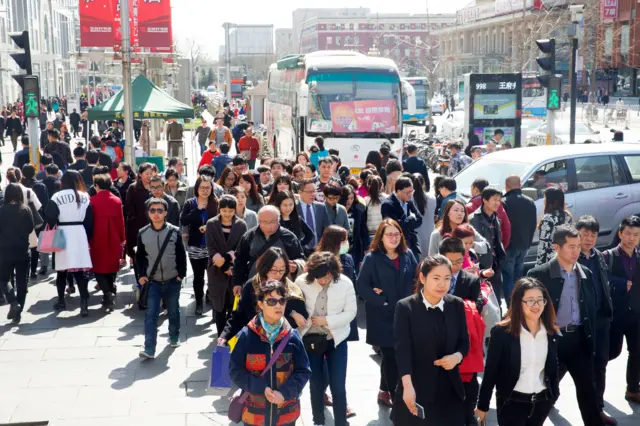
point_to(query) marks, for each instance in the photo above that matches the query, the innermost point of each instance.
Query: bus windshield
(355, 103)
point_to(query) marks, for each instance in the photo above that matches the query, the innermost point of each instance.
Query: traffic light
(30, 95)
(23, 59)
(553, 93)
(548, 65)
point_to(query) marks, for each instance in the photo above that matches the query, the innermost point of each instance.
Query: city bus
(533, 97)
(420, 86)
(351, 100)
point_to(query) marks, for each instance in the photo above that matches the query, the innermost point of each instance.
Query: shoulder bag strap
(608, 254)
(274, 357)
(160, 253)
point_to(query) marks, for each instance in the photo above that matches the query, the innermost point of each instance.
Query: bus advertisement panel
(364, 116)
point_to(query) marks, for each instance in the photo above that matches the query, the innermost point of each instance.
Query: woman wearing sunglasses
(331, 306)
(272, 265)
(274, 399)
(386, 276)
(522, 360)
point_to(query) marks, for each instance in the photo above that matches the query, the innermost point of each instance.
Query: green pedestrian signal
(554, 100)
(31, 95)
(553, 93)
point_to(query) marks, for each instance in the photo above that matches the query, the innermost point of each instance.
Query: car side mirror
(531, 193)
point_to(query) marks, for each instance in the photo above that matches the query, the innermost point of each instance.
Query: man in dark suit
(312, 212)
(400, 208)
(414, 164)
(92, 162)
(624, 281)
(465, 285)
(74, 119)
(592, 258)
(572, 293)
(22, 157)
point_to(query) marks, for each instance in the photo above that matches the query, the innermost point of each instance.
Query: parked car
(437, 106)
(583, 132)
(602, 180)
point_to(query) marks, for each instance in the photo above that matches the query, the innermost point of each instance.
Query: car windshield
(495, 171)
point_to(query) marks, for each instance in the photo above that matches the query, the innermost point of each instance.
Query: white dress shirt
(439, 305)
(533, 356)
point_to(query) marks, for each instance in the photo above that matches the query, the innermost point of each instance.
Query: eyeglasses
(392, 235)
(272, 301)
(458, 262)
(531, 303)
(156, 211)
(333, 198)
(156, 188)
(408, 192)
(269, 222)
(278, 271)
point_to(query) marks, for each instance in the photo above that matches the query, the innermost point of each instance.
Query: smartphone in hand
(420, 409)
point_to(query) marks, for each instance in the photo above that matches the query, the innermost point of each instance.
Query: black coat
(468, 287)
(417, 165)
(13, 125)
(549, 275)
(135, 214)
(361, 239)
(415, 351)
(191, 218)
(522, 214)
(502, 368)
(378, 271)
(392, 209)
(74, 119)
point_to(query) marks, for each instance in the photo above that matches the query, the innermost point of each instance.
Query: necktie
(310, 223)
(452, 288)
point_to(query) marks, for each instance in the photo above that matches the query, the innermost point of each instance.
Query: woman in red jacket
(108, 238)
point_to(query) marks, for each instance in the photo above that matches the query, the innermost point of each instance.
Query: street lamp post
(129, 151)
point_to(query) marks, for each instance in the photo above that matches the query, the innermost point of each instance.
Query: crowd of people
(300, 241)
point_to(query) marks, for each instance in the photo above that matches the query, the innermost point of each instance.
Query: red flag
(97, 29)
(154, 21)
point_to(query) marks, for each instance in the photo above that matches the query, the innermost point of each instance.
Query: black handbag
(315, 343)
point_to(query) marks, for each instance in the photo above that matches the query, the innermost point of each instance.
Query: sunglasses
(272, 301)
(156, 211)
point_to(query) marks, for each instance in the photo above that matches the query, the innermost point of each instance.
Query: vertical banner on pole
(154, 21)
(97, 28)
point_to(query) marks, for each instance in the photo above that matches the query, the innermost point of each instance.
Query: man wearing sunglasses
(162, 264)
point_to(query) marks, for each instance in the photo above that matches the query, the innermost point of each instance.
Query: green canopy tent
(148, 101)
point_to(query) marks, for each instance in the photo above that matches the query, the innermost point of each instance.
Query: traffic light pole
(551, 127)
(129, 150)
(34, 141)
(574, 90)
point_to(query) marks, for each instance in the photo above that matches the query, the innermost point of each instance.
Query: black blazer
(468, 287)
(502, 367)
(549, 275)
(392, 209)
(415, 354)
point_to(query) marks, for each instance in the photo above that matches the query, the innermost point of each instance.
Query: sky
(202, 19)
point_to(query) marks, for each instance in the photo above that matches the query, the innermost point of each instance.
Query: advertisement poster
(494, 106)
(133, 27)
(486, 133)
(364, 116)
(154, 23)
(97, 28)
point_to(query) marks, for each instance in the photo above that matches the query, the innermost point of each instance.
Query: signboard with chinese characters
(609, 9)
(364, 116)
(97, 27)
(496, 103)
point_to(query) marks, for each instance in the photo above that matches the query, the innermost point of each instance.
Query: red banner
(97, 28)
(609, 9)
(133, 28)
(364, 116)
(154, 23)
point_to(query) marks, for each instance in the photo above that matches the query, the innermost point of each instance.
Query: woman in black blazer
(522, 360)
(431, 339)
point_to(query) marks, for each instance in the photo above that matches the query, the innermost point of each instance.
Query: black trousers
(471, 390)
(19, 267)
(61, 283)
(388, 371)
(35, 256)
(512, 413)
(199, 267)
(574, 357)
(601, 359)
(106, 282)
(632, 334)
(221, 317)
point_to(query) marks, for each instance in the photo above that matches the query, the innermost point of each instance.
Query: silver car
(602, 180)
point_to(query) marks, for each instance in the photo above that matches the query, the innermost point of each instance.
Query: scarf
(271, 330)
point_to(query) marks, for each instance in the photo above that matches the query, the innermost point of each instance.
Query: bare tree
(193, 50)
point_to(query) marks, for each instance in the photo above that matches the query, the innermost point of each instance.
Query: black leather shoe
(60, 305)
(13, 311)
(84, 307)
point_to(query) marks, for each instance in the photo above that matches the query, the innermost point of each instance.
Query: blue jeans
(203, 148)
(337, 366)
(512, 271)
(170, 291)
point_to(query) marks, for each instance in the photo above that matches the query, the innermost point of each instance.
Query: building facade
(407, 39)
(499, 36)
(300, 16)
(284, 42)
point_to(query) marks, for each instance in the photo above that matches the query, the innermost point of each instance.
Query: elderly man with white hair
(256, 241)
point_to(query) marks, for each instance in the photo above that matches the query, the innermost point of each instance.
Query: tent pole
(129, 150)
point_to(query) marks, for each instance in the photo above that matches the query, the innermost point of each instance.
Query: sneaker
(174, 342)
(146, 354)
